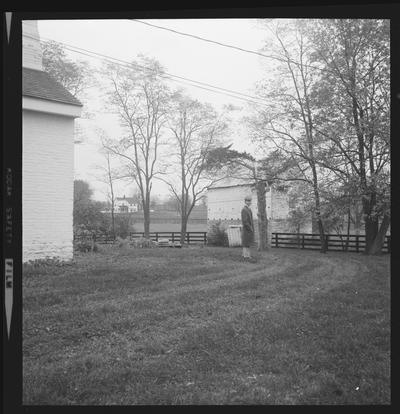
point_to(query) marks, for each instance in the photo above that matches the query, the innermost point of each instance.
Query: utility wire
(179, 79)
(285, 60)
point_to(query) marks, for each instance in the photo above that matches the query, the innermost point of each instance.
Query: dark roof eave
(40, 84)
(232, 185)
(53, 100)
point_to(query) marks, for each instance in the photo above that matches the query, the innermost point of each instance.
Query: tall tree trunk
(377, 244)
(348, 227)
(112, 220)
(371, 232)
(146, 217)
(184, 220)
(318, 210)
(371, 222)
(263, 239)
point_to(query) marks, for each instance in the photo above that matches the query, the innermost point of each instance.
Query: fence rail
(334, 242)
(100, 239)
(308, 241)
(192, 237)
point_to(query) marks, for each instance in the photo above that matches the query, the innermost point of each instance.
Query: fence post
(173, 237)
(187, 237)
(276, 239)
(157, 236)
(327, 241)
(302, 241)
(357, 247)
(205, 237)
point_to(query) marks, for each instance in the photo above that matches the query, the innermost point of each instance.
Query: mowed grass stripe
(304, 333)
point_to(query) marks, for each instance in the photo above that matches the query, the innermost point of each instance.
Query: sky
(180, 55)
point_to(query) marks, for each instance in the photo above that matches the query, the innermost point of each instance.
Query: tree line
(324, 129)
(326, 123)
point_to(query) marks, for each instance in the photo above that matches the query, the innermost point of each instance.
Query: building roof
(232, 182)
(39, 84)
(130, 200)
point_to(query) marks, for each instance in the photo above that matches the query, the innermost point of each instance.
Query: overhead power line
(281, 59)
(175, 78)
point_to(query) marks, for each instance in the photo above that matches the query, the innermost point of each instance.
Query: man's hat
(247, 198)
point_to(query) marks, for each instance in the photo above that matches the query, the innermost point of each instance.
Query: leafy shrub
(122, 242)
(217, 235)
(85, 245)
(123, 225)
(84, 239)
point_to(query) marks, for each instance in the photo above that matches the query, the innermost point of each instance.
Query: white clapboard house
(125, 205)
(48, 114)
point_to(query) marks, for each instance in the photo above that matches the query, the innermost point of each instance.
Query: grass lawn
(199, 326)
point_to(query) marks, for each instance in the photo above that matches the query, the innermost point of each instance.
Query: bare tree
(140, 97)
(108, 175)
(196, 129)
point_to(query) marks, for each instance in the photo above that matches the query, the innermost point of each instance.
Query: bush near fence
(217, 235)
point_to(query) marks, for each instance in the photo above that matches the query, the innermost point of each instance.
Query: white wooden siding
(47, 185)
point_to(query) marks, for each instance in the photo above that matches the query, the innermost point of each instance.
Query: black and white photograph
(205, 210)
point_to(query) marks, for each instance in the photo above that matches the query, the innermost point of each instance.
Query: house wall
(225, 206)
(226, 203)
(132, 208)
(47, 185)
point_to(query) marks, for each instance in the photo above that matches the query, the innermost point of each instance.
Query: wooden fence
(334, 242)
(100, 239)
(192, 237)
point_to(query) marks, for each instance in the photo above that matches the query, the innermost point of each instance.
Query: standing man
(247, 228)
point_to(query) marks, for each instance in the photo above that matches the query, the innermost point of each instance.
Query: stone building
(48, 113)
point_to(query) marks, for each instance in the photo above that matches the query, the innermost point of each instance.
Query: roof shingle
(39, 84)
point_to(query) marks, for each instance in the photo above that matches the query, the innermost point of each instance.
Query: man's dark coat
(247, 227)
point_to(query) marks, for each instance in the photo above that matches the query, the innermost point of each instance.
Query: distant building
(225, 201)
(48, 113)
(125, 205)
